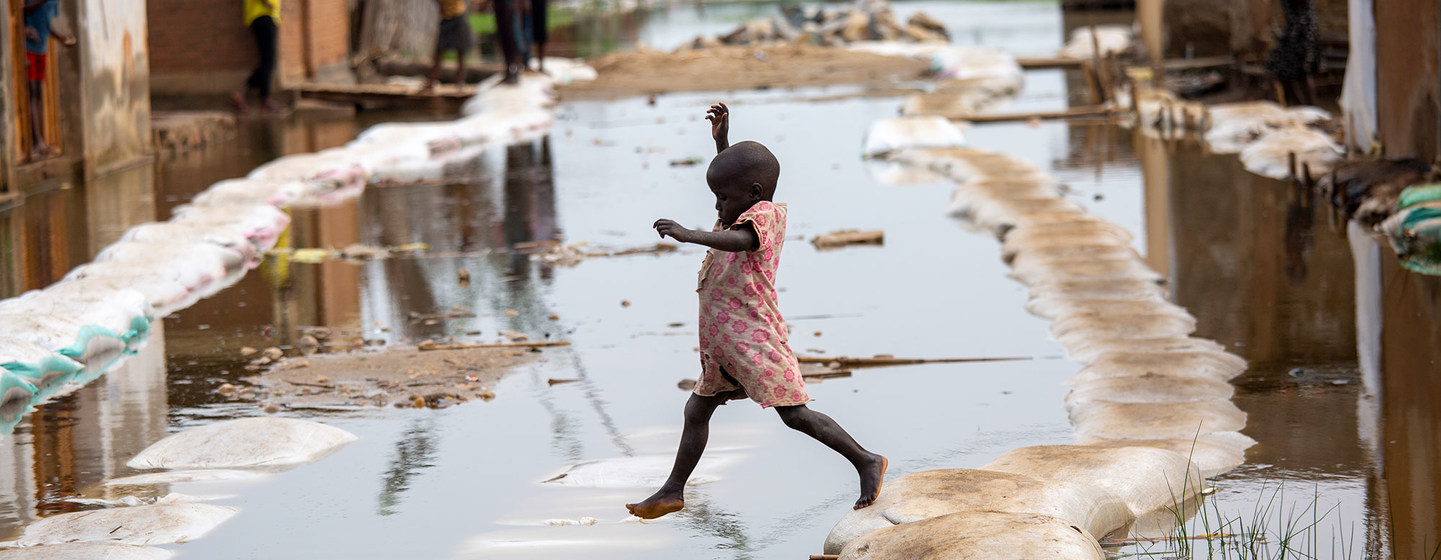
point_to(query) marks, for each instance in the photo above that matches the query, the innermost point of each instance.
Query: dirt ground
(736, 68)
(401, 376)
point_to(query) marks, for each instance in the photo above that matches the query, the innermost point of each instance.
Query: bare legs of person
(670, 498)
(40, 149)
(434, 70)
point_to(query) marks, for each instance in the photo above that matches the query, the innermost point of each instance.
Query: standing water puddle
(465, 482)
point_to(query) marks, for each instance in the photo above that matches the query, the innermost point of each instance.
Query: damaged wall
(203, 46)
(114, 84)
(1408, 87)
(1245, 28)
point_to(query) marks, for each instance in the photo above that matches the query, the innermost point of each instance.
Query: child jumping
(743, 350)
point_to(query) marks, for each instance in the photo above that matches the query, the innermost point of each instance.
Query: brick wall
(203, 46)
(319, 29)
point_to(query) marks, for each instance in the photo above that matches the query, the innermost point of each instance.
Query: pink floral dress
(741, 329)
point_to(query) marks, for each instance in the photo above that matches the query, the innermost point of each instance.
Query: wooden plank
(1094, 111)
(428, 345)
(445, 95)
(1048, 63)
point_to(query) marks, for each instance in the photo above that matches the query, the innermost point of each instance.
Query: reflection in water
(414, 452)
(1250, 262)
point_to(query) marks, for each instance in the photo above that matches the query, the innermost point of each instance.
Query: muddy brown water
(1265, 271)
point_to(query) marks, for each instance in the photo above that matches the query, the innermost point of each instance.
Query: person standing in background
(538, 35)
(1296, 58)
(454, 34)
(39, 15)
(505, 33)
(263, 19)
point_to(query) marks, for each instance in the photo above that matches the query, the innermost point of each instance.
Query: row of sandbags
(73, 331)
(1264, 134)
(863, 20)
(132, 521)
(968, 79)
(1151, 408)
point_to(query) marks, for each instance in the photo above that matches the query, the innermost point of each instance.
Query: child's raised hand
(672, 229)
(720, 125)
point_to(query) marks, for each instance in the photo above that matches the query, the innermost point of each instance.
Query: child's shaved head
(744, 164)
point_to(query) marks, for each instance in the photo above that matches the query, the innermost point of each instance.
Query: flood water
(1266, 272)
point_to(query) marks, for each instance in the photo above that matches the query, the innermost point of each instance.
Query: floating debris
(843, 238)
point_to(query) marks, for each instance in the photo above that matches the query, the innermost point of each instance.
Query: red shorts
(35, 66)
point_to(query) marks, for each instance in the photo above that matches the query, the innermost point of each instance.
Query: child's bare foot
(871, 479)
(660, 503)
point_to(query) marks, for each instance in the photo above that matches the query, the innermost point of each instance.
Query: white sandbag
(891, 173)
(244, 443)
(978, 536)
(1149, 388)
(184, 476)
(641, 471)
(568, 70)
(334, 163)
(125, 313)
(261, 224)
(992, 70)
(1080, 330)
(88, 344)
(1213, 453)
(503, 126)
(1126, 268)
(1080, 234)
(888, 135)
(1100, 289)
(1086, 351)
(168, 232)
(1046, 256)
(242, 192)
(214, 259)
(86, 551)
(1146, 479)
(158, 284)
(1152, 420)
(1208, 364)
(1067, 308)
(492, 97)
(995, 214)
(17, 391)
(1036, 218)
(1269, 156)
(1111, 39)
(1234, 126)
(1053, 304)
(163, 295)
(929, 494)
(139, 525)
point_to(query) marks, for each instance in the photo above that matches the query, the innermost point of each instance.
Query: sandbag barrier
(70, 333)
(1272, 141)
(234, 450)
(1151, 408)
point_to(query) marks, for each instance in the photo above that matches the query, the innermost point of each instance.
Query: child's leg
(870, 466)
(671, 496)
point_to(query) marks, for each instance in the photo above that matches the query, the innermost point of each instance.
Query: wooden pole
(880, 361)
(431, 345)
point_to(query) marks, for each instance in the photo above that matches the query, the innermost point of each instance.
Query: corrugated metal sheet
(1408, 87)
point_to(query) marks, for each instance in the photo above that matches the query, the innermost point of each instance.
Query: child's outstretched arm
(720, 125)
(737, 240)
